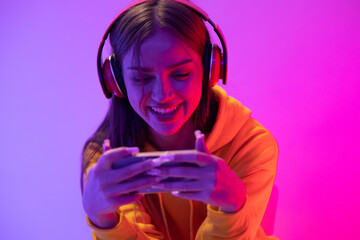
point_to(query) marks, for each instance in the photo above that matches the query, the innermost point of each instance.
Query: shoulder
(240, 139)
(235, 123)
(252, 133)
(253, 148)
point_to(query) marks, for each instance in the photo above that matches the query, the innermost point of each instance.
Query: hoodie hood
(230, 118)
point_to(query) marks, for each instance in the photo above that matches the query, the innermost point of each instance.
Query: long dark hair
(122, 125)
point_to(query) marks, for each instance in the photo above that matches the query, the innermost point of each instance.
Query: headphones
(215, 61)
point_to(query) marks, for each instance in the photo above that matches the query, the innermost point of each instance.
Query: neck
(182, 139)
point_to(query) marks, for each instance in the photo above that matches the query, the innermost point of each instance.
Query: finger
(130, 186)
(185, 185)
(110, 156)
(198, 158)
(200, 144)
(207, 172)
(118, 175)
(106, 145)
(118, 201)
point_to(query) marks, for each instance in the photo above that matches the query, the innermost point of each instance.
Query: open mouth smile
(164, 113)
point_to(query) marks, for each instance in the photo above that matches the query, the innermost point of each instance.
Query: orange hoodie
(249, 150)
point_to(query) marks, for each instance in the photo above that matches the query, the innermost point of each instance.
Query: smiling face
(170, 90)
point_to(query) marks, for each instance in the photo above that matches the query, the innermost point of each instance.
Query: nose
(162, 90)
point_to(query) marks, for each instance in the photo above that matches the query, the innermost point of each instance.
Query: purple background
(295, 64)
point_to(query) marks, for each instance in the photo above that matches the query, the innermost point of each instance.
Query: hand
(106, 189)
(211, 181)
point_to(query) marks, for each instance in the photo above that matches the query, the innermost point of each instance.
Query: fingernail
(156, 162)
(176, 193)
(132, 149)
(163, 159)
(106, 145)
(154, 172)
(198, 134)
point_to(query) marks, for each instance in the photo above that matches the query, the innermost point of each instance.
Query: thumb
(200, 144)
(106, 145)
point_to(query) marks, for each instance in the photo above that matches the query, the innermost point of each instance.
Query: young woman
(165, 100)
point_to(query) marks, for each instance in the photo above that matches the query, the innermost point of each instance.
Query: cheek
(193, 90)
(134, 102)
(193, 94)
(135, 96)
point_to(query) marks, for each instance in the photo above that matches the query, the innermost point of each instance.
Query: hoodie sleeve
(252, 155)
(134, 222)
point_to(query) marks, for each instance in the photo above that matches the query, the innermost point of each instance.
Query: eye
(181, 76)
(138, 79)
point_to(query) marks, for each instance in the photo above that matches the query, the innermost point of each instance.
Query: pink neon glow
(295, 64)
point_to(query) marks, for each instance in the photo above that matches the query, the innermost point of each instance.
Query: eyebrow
(144, 69)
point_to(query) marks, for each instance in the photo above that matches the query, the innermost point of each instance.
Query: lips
(165, 113)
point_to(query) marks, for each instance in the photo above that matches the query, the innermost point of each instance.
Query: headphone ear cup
(111, 74)
(118, 77)
(215, 66)
(107, 79)
(207, 61)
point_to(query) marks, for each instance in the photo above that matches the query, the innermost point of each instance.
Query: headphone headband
(201, 13)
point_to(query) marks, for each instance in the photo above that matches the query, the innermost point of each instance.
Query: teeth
(165, 110)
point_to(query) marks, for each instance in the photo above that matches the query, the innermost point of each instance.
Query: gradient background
(295, 64)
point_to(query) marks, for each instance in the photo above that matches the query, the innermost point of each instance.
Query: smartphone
(142, 156)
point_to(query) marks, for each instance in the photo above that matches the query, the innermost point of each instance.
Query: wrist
(230, 209)
(105, 221)
(236, 206)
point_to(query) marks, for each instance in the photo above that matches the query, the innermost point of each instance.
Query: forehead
(162, 48)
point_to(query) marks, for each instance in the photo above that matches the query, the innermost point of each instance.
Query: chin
(166, 131)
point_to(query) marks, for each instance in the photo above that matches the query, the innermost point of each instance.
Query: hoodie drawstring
(165, 220)
(191, 219)
(164, 215)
